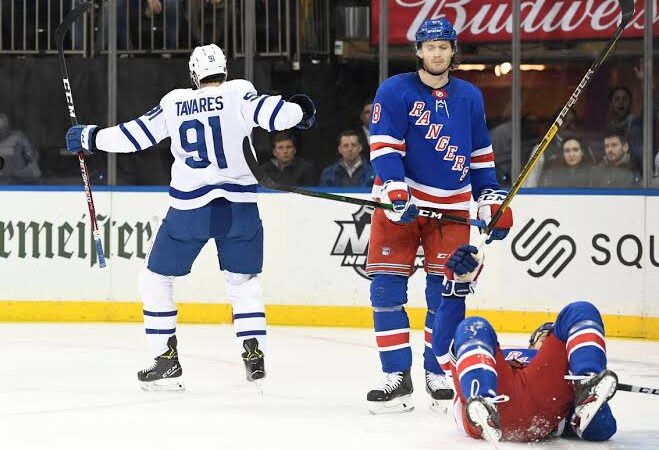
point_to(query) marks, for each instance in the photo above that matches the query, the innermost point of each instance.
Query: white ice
(73, 386)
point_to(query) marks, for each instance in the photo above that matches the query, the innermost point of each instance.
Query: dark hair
(609, 133)
(346, 133)
(625, 89)
(219, 78)
(281, 137)
(581, 142)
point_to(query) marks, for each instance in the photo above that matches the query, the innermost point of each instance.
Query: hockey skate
(165, 373)
(394, 395)
(440, 388)
(591, 392)
(254, 362)
(482, 413)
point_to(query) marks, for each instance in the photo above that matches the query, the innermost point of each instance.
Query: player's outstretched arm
(138, 134)
(273, 113)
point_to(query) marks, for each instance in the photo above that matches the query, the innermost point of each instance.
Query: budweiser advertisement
(491, 20)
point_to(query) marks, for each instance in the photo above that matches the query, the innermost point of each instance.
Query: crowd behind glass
(604, 155)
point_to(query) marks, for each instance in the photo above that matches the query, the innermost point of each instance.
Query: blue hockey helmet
(436, 30)
(542, 331)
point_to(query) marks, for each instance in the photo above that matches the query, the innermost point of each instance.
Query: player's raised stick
(269, 183)
(627, 10)
(59, 42)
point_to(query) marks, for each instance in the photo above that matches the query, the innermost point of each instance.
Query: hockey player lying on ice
(560, 386)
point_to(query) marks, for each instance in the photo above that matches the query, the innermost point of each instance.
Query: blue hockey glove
(81, 137)
(397, 194)
(489, 202)
(308, 111)
(462, 260)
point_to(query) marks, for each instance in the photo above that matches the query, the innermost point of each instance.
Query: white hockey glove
(397, 194)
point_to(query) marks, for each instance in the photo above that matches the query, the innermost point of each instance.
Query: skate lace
(150, 368)
(437, 381)
(492, 399)
(390, 381)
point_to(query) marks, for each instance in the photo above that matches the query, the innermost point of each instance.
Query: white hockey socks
(160, 313)
(246, 297)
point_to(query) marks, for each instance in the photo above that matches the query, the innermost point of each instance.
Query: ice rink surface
(73, 386)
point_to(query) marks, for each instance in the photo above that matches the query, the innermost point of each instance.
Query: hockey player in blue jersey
(429, 147)
(559, 386)
(212, 195)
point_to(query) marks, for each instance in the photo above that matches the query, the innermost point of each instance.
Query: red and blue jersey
(436, 140)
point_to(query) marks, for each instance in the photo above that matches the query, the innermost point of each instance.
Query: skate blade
(603, 391)
(258, 384)
(396, 405)
(478, 415)
(166, 385)
(440, 406)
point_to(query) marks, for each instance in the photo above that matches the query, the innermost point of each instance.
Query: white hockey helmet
(205, 61)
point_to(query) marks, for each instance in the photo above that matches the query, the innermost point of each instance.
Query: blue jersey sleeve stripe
(273, 116)
(258, 109)
(146, 131)
(196, 193)
(130, 137)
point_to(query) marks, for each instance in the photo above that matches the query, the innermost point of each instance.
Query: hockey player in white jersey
(212, 195)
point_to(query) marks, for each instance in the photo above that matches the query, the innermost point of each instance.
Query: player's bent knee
(475, 328)
(580, 312)
(244, 291)
(156, 291)
(388, 290)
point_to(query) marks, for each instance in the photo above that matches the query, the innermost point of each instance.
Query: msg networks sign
(491, 20)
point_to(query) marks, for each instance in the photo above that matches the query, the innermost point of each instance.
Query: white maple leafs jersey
(207, 127)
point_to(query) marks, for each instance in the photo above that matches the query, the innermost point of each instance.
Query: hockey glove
(308, 111)
(463, 267)
(81, 137)
(488, 204)
(397, 194)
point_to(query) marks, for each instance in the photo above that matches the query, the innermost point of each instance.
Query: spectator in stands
(172, 14)
(287, 168)
(351, 169)
(127, 24)
(621, 120)
(575, 169)
(19, 161)
(363, 129)
(214, 10)
(617, 169)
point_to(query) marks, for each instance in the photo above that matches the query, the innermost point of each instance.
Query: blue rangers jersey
(436, 140)
(207, 127)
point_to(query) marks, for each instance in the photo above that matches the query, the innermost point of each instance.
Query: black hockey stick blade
(265, 181)
(638, 389)
(68, 21)
(627, 9)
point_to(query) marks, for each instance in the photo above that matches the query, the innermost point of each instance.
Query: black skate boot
(165, 373)
(482, 413)
(440, 388)
(253, 358)
(393, 395)
(590, 393)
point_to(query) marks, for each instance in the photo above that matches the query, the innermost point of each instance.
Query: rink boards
(600, 247)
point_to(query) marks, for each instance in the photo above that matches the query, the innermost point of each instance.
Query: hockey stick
(267, 182)
(59, 42)
(638, 389)
(627, 9)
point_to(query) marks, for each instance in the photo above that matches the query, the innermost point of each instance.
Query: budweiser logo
(539, 18)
